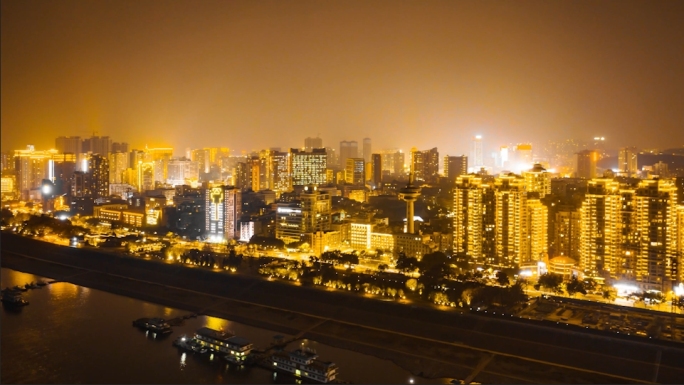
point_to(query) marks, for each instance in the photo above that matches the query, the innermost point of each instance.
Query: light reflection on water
(72, 334)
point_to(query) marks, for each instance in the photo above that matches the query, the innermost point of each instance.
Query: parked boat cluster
(301, 363)
(12, 296)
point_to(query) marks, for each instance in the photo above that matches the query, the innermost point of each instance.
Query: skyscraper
(538, 180)
(118, 163)
(69, 144)
(455, 166)
(98, 168)
(355, 171)
(97, 145)
(308, 167)
(311, 143)
(627, 162)
(586, 164)
(119, 147)
(477, 153)
(393, 162)
(311, 213)
(348, 150)
(599, 216)
(223, 209)
(366, 150)
(425, 165)
(376, 170)
(282, 179)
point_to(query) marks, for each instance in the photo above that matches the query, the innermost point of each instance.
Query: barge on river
(304, 363)
(235, 349)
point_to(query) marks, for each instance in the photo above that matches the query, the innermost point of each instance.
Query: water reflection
(182, 361)
(217, 323)
(65, 290)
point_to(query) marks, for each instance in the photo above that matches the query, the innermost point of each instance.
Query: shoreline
(287, 323)
(427, 343)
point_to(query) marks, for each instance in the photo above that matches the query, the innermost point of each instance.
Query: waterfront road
(485, 348)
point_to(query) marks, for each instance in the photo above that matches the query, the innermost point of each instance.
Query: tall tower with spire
(410, 194)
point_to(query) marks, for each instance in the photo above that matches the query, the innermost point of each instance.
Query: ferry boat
(236, 349)
(155, 325)
(304, 363)
(189, 344)
(13, 298)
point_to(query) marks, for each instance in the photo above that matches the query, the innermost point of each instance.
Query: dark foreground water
(73, 334)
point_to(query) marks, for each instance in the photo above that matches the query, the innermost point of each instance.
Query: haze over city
(251, 75)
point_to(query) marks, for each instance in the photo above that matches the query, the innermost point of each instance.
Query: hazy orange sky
(255, 74)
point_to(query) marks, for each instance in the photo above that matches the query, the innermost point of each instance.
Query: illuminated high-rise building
(477, 153)
(366, 150)
(146, 176)
(523, 156)
(181, 171)
(504, 157)
(203, 159)
(656, 217)
(511, 220)
(393, 161)
(537, 237)
(282, 179)
(474, 218)
(223, 209)
(118, 163)
(311, 213)
(566, 240)
(31, 167)
(497, 222)
(538, 180)
(627, 162)
(425, 165)
(311, 143)
(599, 227)
(98, 168)
(455, 166)
(308, 167)
(266, 170)
(243, 175)
(376, 170)
(586, 164)
(679, 260)
(8, 187)
(354, 172)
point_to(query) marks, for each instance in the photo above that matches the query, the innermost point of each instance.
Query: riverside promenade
(426, 341)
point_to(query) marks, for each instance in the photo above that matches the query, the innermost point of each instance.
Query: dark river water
(73, 334)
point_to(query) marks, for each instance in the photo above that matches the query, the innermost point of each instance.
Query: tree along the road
(550, 281)
(575, 286)
(502, 278)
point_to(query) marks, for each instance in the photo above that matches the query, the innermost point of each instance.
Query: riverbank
(430, 343)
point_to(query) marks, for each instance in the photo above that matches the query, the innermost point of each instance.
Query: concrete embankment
(427, 342)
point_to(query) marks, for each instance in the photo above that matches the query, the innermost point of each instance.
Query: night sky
(256, 74)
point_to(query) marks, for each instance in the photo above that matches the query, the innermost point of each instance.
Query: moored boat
(189, 344)
(304, 363)
(155, 325)
(235, 349)
(13, 298)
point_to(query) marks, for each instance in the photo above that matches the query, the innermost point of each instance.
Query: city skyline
(255, 75)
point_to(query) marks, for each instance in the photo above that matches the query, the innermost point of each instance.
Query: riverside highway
(444, 342)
